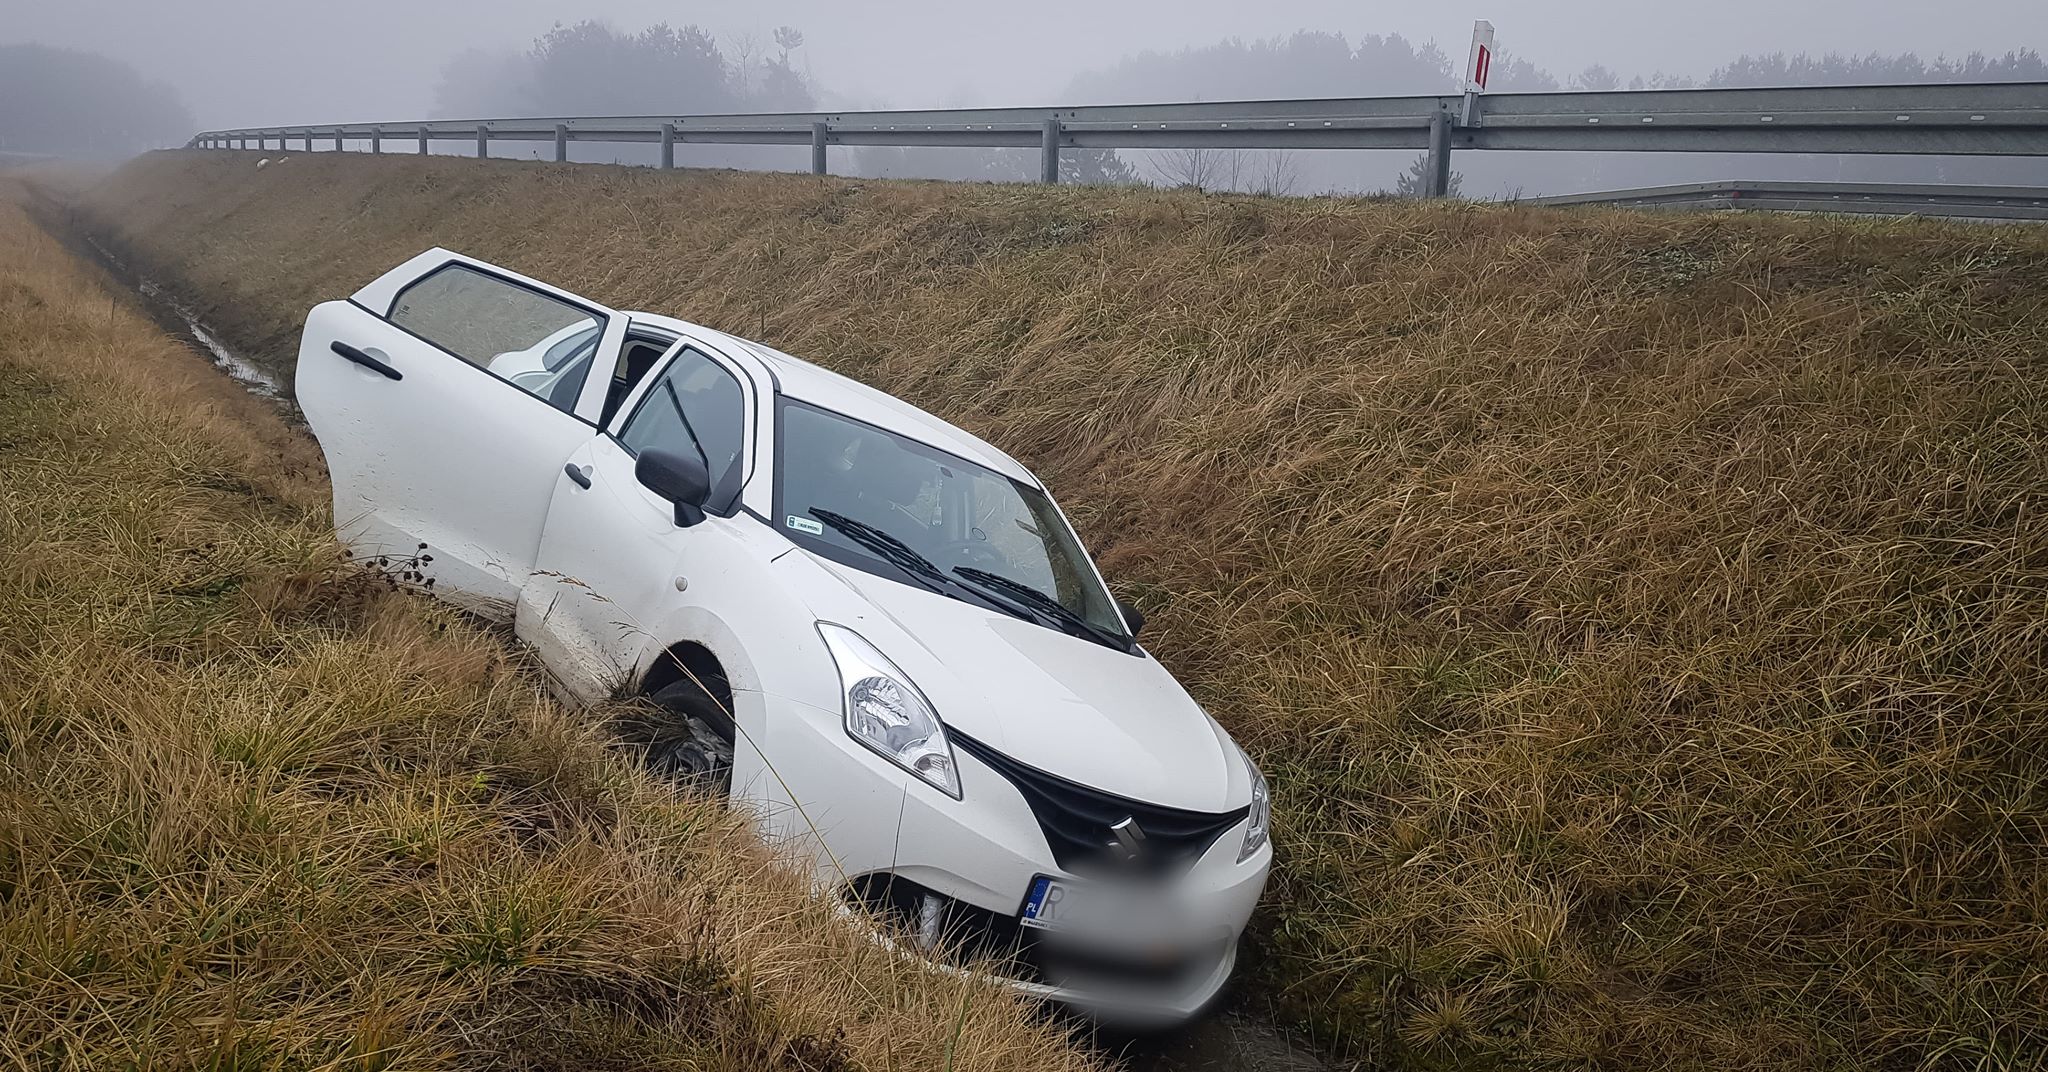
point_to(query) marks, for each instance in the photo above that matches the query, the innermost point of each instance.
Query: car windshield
(898, 508)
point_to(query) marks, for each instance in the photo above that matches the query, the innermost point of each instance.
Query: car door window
(636, 357)
(537, 342)
(695, 404)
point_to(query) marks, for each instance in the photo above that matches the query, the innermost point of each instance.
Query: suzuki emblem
(1128, 836)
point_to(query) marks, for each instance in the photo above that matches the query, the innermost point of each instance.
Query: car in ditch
(875, 631)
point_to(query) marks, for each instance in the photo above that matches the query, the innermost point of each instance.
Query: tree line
(63, 102)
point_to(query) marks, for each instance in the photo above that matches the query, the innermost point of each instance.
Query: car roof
(826, 389)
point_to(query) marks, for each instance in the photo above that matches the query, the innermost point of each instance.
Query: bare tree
(1229, 169)
(745, 51)
(1274, 173)
(1194, 169)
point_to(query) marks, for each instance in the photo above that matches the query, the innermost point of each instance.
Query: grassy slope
(1641, 617)
(258, 811)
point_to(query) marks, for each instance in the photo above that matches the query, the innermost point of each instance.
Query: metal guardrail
(2004, 118)
(1875, 199)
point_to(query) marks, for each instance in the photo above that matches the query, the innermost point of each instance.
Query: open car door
(446, 397)
(612, 556)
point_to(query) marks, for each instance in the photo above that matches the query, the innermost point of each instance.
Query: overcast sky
(248, 62)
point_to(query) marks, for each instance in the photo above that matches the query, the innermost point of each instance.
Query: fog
(256, 62)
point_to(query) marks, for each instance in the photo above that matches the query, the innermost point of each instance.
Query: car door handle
(366, 360)
(575, 472)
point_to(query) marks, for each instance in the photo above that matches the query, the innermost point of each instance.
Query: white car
(876, 630)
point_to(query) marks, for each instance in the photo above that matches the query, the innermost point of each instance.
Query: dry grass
(258, 811)
(1642, 618)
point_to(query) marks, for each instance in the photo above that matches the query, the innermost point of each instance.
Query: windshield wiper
(1048, 607)
(893, 550)
(905, 557)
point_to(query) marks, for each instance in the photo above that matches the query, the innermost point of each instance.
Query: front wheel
(690, 738)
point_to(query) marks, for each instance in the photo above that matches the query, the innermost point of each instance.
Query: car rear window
(478, 317)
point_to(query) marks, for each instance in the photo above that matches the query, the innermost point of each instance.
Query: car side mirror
(682, 481)
(1134, 619)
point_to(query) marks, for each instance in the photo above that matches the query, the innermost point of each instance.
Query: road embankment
(1639, 617)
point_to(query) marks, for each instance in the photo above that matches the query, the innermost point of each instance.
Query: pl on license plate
(1053, 905)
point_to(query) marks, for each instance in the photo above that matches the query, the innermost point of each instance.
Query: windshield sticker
(805, 524)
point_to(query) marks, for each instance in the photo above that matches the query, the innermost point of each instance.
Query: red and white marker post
(1479, 70)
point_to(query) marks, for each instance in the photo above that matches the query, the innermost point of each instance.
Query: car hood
(1110, 720)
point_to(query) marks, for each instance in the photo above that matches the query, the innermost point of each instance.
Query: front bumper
(882, 839)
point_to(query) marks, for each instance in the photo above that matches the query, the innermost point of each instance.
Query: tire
(690, 739)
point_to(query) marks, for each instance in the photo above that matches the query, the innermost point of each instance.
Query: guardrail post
(376, 139)
(423, 141)
(337, 139)
(561, 143)
(818, 149)
(1049, 153)
(483, 141)
(1437, 176)
(668, 146)
(309, 139)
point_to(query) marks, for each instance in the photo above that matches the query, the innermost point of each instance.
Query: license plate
(1053, 905)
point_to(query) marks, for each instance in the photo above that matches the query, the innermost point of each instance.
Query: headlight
(1261, 813)
(886, 712)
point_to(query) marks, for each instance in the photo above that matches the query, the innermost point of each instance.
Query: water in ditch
(252, 376)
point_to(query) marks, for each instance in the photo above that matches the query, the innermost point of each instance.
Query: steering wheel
(969, 552)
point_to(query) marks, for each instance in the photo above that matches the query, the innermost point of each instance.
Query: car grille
(1079, 823)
